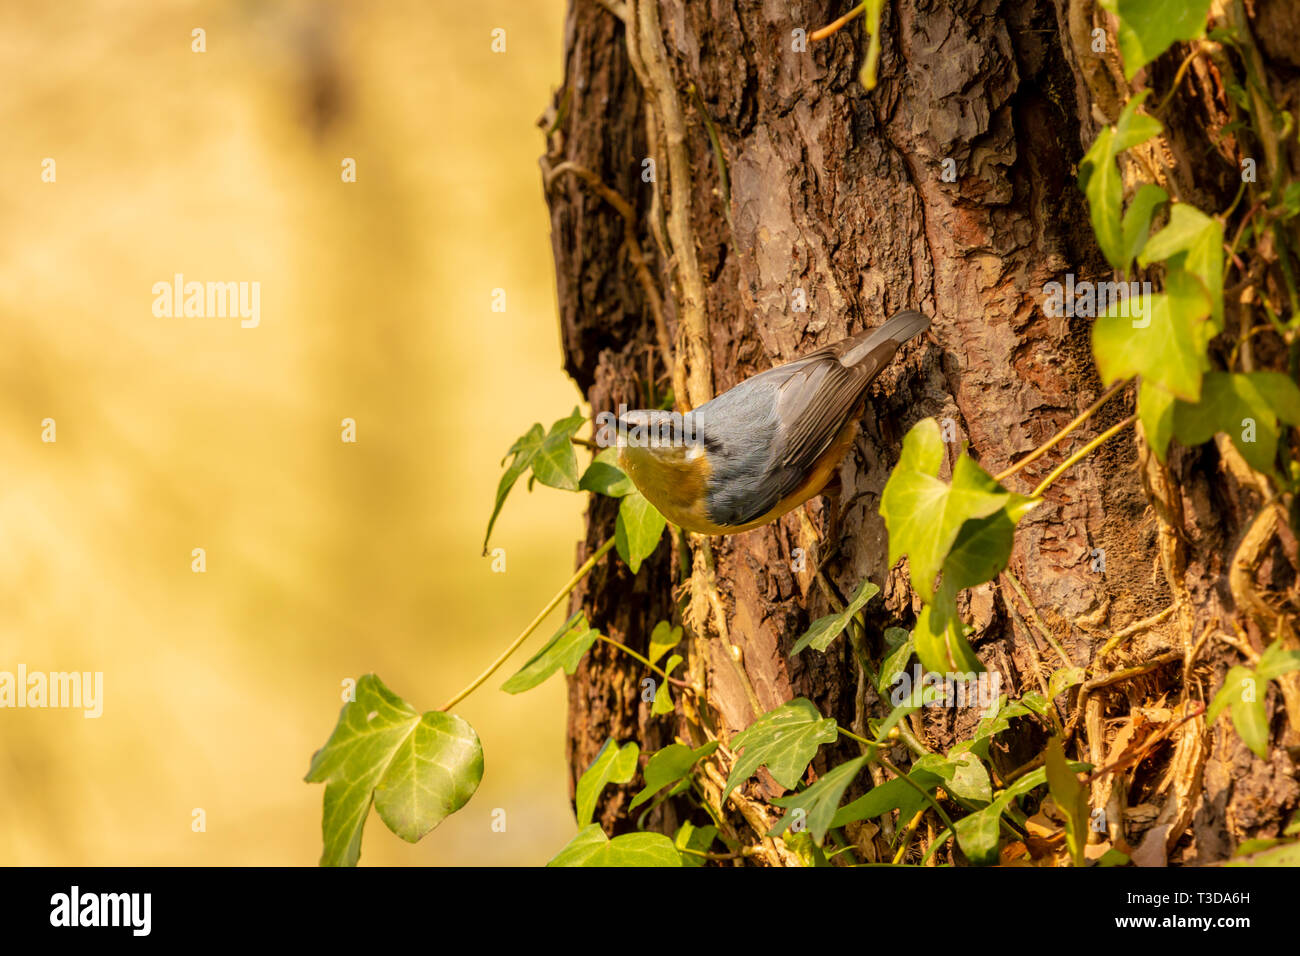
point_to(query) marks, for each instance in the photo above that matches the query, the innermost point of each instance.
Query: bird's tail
(900, 327)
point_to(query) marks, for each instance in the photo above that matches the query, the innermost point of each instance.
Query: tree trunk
(820, 210)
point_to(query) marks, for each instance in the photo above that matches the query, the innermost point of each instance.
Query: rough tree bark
(836, 197)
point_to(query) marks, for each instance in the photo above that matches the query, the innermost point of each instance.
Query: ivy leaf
(418, 769)
(556, 464)
(1276, 661)
(1192, 242)
(923, 514)
(1149, 27)
(1062, 679)
(893, 794)
(613, 764)
(565, 649)
(784, 740)
(638, 529)
(826, 629)
(1071, 798)
(1287, 854)
(983, 545)
(961, 772)
(1165, 346)
(1134, 128)
(669, 766)
(1243, 694)
(1099, 179)
(663, 698)
(1246, 407)
(524, 450)
(1136, 226)
(691, 837)
(1156, 411)
(894, 664)
(663, 639)
(604, 477)
(977, 833)
(592, 848)
(820, 801)
(940, 637)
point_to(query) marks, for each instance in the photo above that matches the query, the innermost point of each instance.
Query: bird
(765, 446)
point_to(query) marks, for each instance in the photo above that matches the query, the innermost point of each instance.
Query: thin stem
(527, 632)
(832, 28)
(1178, 78)
(1061, 435)
(1081, 454)
(646, 661)
(906, 840)
(863, 740)
(1038, 622)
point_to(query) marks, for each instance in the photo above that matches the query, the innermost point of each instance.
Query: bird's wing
(814, 403)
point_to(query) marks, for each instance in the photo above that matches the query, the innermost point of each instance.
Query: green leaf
(820, 801)
(923, 514)
(1071, 798)
(668, 766)
(961, 772)
(977, 833)
(1136, 226)
(983, 545)
(613, 764)
(1288, 854)
(940, 638)
(523, 450)
(1062, 679)
(893, 794)
(1243, 694)
(1149, 27)
(638, 529)
(1246, 408)
(1192, 242)
(1134, 128)
(418, 769)
(663, 698)
(592, 848)
(784, 740)
(1168, 350)
(565, 649)
(1100, 181)
(663, 639)
(556, 464)
(604, 477)
(1276, 661)
(826, 629)
(691, 837)
(1099, 178)
(1156, 410)
(896, 661)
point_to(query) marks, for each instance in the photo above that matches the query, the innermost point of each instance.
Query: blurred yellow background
(325, 560)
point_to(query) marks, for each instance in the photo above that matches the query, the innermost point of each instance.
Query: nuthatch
(764, 447)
